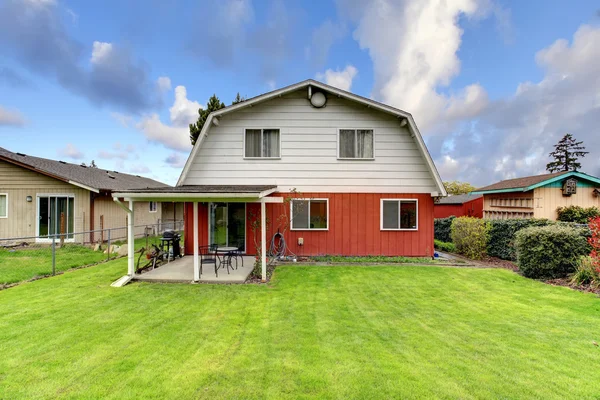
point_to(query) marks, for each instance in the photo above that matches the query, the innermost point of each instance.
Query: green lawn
(23, 263)
(313, 332)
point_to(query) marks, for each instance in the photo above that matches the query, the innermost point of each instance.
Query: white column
(195, 244)
(130, 243)
(263, 239)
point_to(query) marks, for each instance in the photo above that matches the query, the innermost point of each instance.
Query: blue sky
(492, 84)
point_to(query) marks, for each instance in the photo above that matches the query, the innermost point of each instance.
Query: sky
(492, 84)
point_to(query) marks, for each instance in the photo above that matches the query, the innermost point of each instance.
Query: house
(336, 173)
(35, 192)
(462, 205)
(539, 196)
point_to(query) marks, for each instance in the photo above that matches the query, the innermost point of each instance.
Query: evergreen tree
(213, 104)
(238, 99)
(566, 153)
(93, 164)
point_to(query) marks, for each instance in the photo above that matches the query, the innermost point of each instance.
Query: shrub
(445, 246)
(502, 236)
(586, 273)
(470, 236)
(549, 251)
(594, 241)
(577, 214)
(441, 228)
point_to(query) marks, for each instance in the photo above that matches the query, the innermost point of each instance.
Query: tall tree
(213, 104)
(457, 187)
(238, 99)
(566, 153)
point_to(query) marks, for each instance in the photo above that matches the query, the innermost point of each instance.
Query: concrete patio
(182, 270)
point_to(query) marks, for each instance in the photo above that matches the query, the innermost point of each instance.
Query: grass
(24, 263)
(314, 332)
(373, 259)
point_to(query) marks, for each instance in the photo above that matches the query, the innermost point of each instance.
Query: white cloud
(184, 111)
(70, 151)
(164, 83)
(124, 119)
(101, 52)
(341, 79)
(11, 117)
(413, 46)
(513, 136)
(175, 160)
(172, 137)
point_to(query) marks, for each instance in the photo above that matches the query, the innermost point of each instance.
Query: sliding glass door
(227, 224)
(56, 215)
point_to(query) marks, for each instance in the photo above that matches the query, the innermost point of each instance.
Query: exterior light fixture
(29, 199)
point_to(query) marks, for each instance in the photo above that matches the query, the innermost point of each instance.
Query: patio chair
(208, 255)
(239, 253)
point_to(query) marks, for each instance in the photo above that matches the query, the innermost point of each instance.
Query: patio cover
(196, 194)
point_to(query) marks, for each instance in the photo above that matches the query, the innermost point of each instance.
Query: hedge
(441, 229)
(577, 214)
(470, 236)
(502, 235)
(550, 251)
(448, 247)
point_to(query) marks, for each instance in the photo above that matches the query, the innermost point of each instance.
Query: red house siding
(354, 227)
(473, 208)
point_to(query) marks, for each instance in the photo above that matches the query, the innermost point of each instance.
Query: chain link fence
(26, 258)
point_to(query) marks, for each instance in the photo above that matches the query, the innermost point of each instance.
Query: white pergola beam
(263, 240)
(130, 241)
(195, 243)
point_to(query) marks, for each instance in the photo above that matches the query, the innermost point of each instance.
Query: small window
(262, 143)
(153, 206)
(399, 214)
(356, 144)
(310, 214)
(3, 205)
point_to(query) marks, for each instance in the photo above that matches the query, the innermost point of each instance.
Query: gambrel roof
(311, 84)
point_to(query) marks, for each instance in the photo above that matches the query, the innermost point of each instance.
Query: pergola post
(263, 240)
(130, 241)
(195, 244)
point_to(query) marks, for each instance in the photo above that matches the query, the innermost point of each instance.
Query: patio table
(226, 249)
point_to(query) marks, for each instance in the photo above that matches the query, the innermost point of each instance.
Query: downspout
(130, 245)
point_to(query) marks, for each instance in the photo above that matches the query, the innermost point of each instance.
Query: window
(262, 143)
(153, 206)
(356, 143)
(3, 205)
(310, 214)
(399, 214)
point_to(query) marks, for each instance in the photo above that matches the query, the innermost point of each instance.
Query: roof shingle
(520, 183)
(97, 178)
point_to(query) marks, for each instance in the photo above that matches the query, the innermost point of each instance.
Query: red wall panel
(473, 208)
(354, 227)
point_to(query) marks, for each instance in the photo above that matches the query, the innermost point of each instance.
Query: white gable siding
(309, 150)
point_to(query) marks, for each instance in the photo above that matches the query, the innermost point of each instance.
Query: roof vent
(83, 165)
(21, 154)
(318, 99)
(111, 176)
(62, 162)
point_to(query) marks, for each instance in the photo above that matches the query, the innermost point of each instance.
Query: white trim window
(262, 143)
(356, 144)
(399, 214)
(3, 205)
(309, 214)
(152, 206)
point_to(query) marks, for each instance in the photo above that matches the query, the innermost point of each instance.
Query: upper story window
(152, 205)
(3, 205)
(262, 143)
(356, 144)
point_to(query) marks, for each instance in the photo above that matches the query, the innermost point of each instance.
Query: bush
(441, 228)
(445, 246)
(577, 214)
(502, 236)
(550, 251)
(470, 236)
(586, 273)
(594, 241)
